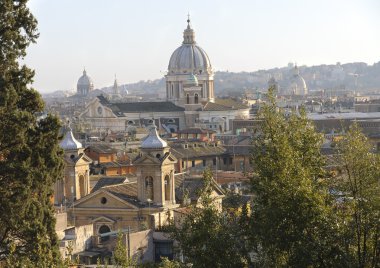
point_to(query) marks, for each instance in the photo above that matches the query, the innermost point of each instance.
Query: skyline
(135, 40)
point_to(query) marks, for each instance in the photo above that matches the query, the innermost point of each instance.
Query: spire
(296, 70)
(115, 86)
(84, 71)
(188, 34)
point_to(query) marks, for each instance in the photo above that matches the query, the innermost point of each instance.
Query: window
(167, 188)
(163, 249)
(187, 98)
(100, 110)
(214, 162)
(103, 200)
(224, 161)
(102, 230)
(149, 188)
(183, 164)
(192, 163)
(204, 162)
(196, 98)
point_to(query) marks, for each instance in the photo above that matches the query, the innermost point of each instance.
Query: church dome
(189, 57)
(69, 142)
(153, 141)
(84, 84)
(298, 84)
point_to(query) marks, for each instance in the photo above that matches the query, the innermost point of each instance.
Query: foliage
(205, 229)
(120, 257)
(30, 158)
(292, 222)
(358, 199)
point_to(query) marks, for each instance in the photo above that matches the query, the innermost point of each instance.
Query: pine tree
(291, 223)
(30, 157)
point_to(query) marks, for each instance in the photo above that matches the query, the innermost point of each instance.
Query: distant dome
(153, 141)
(69, 142)
(85, 84)
(298, 84)
(191, 80)
(189, 57)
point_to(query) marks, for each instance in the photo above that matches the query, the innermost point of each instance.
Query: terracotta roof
(195, 130)
(196, 152)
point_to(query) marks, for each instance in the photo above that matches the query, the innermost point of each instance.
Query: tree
(292, 224)
(30, 157)
(208, 237)
(358, 198)
(120, 257)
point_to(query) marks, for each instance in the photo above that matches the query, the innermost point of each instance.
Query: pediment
(103, 219)
(146, 160)
(102, 199)
(170, 159)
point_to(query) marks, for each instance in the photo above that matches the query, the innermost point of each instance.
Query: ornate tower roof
(153, 141)
(69, 142)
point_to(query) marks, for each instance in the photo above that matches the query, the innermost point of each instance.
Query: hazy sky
(134, 39)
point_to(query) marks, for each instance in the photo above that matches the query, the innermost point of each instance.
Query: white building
(189, 93)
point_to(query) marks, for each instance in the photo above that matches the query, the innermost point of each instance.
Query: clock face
(100, 110)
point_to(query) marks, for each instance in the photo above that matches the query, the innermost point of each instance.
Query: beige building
(75, 183)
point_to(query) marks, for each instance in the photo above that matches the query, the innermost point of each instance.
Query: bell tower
(155, 171)
(76, 181)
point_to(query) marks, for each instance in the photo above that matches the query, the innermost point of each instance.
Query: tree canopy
(30, 158)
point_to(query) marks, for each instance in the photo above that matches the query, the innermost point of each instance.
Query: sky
(135, 39)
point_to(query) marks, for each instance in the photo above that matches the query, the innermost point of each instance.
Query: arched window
(196, 98)
(167, 188)
(82, 186)
(187, 98)
(149, 188)
(102, 230)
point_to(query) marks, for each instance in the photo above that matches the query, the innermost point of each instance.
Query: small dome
(69, 142)
(191, 80)
(153, 141)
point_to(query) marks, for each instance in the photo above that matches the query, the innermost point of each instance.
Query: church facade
(190, 99)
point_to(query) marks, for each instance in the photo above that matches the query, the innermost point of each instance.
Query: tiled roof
(192, 187)
(107, 181)
(135, 107)
(223, 105)
(196, 152)
(102, 148)
(195, 130)
(126, 191)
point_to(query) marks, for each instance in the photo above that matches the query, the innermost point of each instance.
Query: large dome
(85, 84)
(85, 80)
(298, 84)
(189, 57)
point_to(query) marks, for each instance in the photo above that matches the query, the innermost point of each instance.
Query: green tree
(30, 157)
(120, 257)
(208, 237)
(358, 198)
(292, 222)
